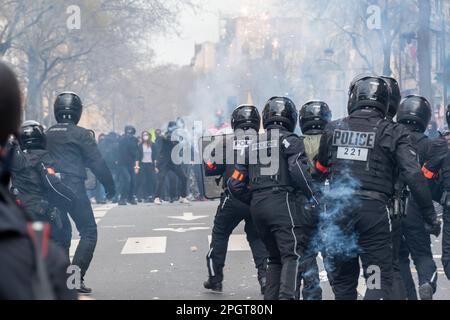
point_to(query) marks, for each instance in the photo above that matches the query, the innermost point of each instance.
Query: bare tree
(58, 57)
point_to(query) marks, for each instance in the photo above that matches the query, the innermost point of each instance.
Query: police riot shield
(212, 152)
(220, 153)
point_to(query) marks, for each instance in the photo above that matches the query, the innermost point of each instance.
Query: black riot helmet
(68, 108)
(415, 111)
(282, 111)
(246, 117)
(395, 98)
(130, 130)
(369, 92)
(314, 115)
(356, 79)
(32, 136)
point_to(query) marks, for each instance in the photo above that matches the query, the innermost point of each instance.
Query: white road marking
(119, 226)
(145, 245)
(238, 242)
(181, 230)
(362, 286)
(73, 247)
(188, 216)
(186, 224)
(100, 213)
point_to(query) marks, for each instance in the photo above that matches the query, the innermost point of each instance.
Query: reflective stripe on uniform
(321, 168)
(237, 176)
(428, 174)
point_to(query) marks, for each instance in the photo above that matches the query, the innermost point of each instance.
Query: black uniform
(38, 190)
(111, 156)
(19, 280)
(445, 201)
(361, 153)
(274, 198)
(165, 164)
(73, 149)
(416, 239)
(230, 212)
(128, 154)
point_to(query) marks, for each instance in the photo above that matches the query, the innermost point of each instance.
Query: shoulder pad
(86, 132)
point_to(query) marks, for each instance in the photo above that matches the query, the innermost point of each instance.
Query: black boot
(272, 290)
(262, 278)
(426, 291)
(213, 286)
(83, 289)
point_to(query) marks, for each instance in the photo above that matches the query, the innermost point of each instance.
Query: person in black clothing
(360, 155)
(110, 146)
(415, 114)
(272, 187)
(314, 116)
(128, 166)
(25, 274)
(147, 158)
(100, 196)
(73, 149)
(445, 200)
(165, 165)
(231, 211)
(35, 184)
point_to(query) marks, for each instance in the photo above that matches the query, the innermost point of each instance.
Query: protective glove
(445, 200)
(432, 224)
(434, 228)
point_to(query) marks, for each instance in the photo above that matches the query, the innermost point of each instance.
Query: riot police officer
(314, 116)
(128, 166)
(415, 114)
(397, 204)
(73, 148)
(275, 175)
(231, 211)
(35, 184)
(26, 274)
(445, 200)
(360, 154)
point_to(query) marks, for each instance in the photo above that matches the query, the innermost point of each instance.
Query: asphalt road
(158, 252)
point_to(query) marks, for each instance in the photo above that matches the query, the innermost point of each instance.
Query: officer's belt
(372, 195)
(265, 178)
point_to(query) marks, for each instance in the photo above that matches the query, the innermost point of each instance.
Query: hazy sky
(200, 26)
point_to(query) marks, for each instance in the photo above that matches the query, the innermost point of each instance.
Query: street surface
(158, 252)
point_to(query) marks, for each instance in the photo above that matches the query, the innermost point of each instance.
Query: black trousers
(367, 220)
(146, 185)
(398, 283)
(276, 219)
(446, 243)
(178, 170)
(310, 278)
(417, 244)
(83, 216)
(229, 214)
(127, 178)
